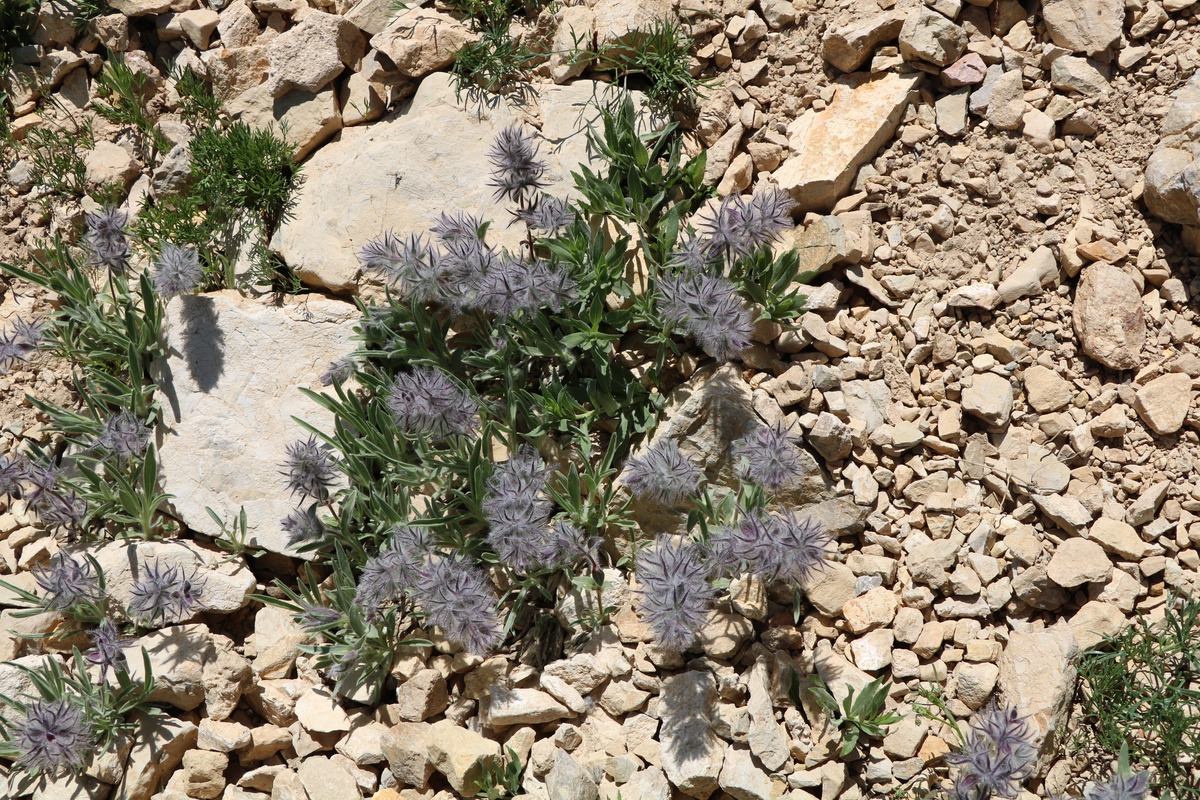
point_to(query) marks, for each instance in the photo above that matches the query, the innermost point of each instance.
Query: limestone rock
(692, 753)
(460, 754)
(989, 398)
(1006, 101)
(107, 162)
(848, 46)
(177, 658)
(742, 779)
(318, 711)
(159, 743)
(226, 583)
(1079, 561)
(1045, 390)
(406, 747)
(975, 683)
(622, 22)
(1095, 622)
(140, 8)
(310, 55)
(569, 781)
(1163, 403)
(767, 739)
(1036, 271)
(1118, 538)
(1076, 76)
(523, 707)
(384, 175)
(830, 588)
(1037, 677)
(1084, 26)
(228, 408)
(422, 696)
(1108, 317)
(198, 25)
(325, 778)
(830, 145)
(422, 41)
(303, 119)
(871, 610)
(928, 36)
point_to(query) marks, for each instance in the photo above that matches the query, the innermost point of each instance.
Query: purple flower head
(177, 271)
(107, 645)
(548, 216)
(339, 371)
(396, 261)
(516, 168)
(123, 436)
(998, 755)
(777, 547)
(313, 617)
(42, 479)
(107, 241)
(428, 402)
(458, 227)
(458, 598)
(1121, 787)
(62, 510)
(396, 571)
(67, 582)
(303, 526)
(19, 343)
(675, 595)
(567, 545)
(516, 510)
(768, 456)
(695, 255)
(310, 469)
(662, 474)
(54, 736)
(740, 227)
(12, 473)
(709, 309)
(165, 594)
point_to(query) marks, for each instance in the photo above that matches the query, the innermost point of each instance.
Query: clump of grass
(1142, 688)
(122, 99)
(660, 63)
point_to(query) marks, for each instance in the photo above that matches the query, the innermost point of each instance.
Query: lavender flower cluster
(19, 343)
(165, 594)
(697, 298)
(54, 736)
(676, 578)
(106, 240)
(38, 484)
(997, 756)
(67, 582)
(453, 594)
(177, 271)
(464, 273)
(518, 516)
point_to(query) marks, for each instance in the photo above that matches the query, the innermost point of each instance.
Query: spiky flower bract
(107, 241)
(516, 168)
(64, 510)
(67, 581)
(339, 371)
(303, 526)
(517, 513)
(177, 271)
(1121, 787)
(18, 344)
(567, 545)
(458, 227)
(428, 402)
(997, 756)
(12, 473)
(768, 456)
(708, 309)
(310, 469)
(695, 255)
(675, 593)
(123, 436)
(107, 645)
(776, 547)
(165, 594)
(458, 598)
(314, 617)
(740, 227)
(53, 737)
(662, 474)
(547, 216)
(396, 571)
(513, 285)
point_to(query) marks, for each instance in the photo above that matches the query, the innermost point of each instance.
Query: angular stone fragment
(422, 41)
(692, 753)
(1163, 403)
(990, 399)
(406, 747)
(523, 707)
(228, 408)
(310, 55)
(1045, 390)
(1079, 561)
(1118, 538)
(767, 739)
(1084, 26)
(1037, 677)
(226, 582)
(301, 118)
(848, 46)
(930, 37)
(460, 754)
(1108, 317)
(830, 145)
(1095, 622)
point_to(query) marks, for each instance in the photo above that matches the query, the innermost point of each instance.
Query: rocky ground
(996, 377)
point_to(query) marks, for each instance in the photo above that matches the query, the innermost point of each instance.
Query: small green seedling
(857, 717)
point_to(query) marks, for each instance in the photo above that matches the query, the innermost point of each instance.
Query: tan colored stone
(1108, 317)
(1163, 403)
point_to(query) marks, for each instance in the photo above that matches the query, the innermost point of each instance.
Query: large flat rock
(830, 145)
(229, 387)
(429, 157)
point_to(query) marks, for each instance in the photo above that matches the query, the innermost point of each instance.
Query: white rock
(989, 398)
(1078, 561)
(178, 655)
(310, 55)
(421, 41)
(1045, 390)
(830, 145)
(928, 36)
(228, 408)
(303, 119)
(1037, 677)
(1108, 316)
(1084, 26)
(1163, 403)
(692, 754)
(460, 754)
